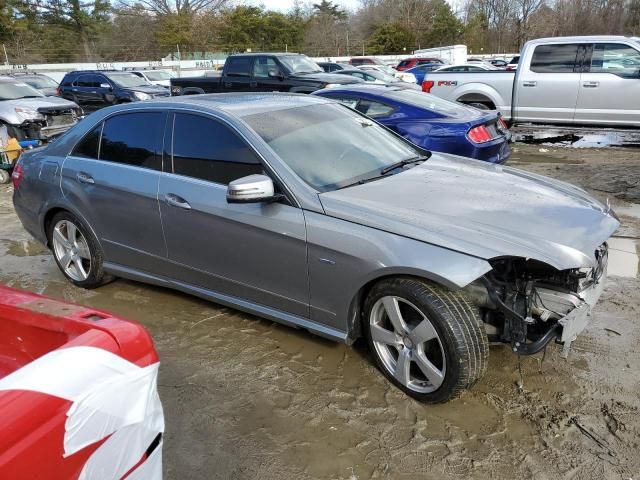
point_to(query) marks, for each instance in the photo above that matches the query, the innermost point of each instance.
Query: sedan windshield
(300, 64)
(329, 146)
(127, 80)
(15, 90)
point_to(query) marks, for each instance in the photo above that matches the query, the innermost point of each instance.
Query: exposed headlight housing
(141, 95)
(28, 114)
(333, 85)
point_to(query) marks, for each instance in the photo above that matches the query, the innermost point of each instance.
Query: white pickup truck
(590, 80)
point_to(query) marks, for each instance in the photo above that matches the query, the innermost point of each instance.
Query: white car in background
(404, 76)
(155, 77)
(467, 67)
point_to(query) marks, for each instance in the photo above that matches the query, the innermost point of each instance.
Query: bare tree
(178, 7)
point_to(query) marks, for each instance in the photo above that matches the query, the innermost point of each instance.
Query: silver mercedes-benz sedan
(305, 212)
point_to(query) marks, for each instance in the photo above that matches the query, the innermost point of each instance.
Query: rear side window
(133, 139)
(238, 66)
(374, 109)
(206, 149)
(616, 58)
(554, 58)
(88, 146)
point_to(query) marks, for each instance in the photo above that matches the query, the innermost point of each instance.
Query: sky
(285, 5)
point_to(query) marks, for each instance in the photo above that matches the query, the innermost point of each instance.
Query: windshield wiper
(402, 163)
(359, 182)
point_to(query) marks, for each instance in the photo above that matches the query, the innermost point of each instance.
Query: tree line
(54, 31)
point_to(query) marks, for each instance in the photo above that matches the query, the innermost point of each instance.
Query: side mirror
(251, 189)
(105, 85)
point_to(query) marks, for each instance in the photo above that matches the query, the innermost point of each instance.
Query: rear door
(609, 91)
(112, 178)
(547, 85)
(237, 74)
(252, 251)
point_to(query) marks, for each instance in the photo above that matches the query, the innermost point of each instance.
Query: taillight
(17, 176)
(502, 125)
(427, 85)
(480, 134)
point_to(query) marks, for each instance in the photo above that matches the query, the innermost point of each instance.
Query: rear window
(559, 58)
(430, 102)
(238, 66)
(404, 63)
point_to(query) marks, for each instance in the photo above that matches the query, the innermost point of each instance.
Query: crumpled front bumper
(576, 307)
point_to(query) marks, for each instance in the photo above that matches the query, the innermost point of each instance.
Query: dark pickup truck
(263, 72)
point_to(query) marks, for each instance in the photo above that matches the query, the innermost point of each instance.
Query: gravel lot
(245, 398)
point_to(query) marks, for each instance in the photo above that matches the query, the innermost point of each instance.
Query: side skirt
(229, 301)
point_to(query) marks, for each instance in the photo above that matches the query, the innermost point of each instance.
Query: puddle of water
(579, 139)
(623, 257)
(632, 210)
(26, 248)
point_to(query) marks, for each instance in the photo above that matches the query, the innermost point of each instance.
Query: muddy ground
(245, 398)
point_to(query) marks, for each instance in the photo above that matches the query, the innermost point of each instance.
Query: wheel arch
(51, 211)
(356, 306)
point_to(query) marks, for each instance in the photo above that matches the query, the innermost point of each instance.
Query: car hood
(483, 210)
(39, 102)
(327, 78)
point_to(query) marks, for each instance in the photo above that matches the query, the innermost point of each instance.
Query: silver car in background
(303, 211)
(29, 114)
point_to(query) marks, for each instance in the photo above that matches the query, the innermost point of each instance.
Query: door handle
(590, 84)
(529, 83)
(85, 178)
(176, 201)
(228, 84)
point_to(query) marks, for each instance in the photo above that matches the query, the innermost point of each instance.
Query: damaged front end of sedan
(527, 304)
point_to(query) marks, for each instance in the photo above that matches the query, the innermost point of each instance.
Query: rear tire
(434, 348)
(4, 176)
(479, 106)
(77, 251)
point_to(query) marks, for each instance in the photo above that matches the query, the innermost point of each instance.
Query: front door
(112, 178)
(610, 86)
(268, 76)
(547, 87)
(255, 252)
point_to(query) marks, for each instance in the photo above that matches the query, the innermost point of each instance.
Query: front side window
(263, 65)
(300, 64)
(133, 139)
(616, 58)
(559, 58)
(329, 146)
(238, 66)
(206, 149)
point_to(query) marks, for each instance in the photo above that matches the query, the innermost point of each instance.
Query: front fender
(344, 257)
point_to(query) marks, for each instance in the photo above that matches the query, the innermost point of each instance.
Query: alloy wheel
(71, 250)
(408, 344)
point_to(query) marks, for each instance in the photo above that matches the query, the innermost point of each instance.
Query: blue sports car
(430, 122)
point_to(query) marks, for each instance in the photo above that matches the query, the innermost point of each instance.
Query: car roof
(239, 104)
(365, 88)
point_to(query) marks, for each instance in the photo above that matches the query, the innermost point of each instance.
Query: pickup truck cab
(262, 72)
(592, 80)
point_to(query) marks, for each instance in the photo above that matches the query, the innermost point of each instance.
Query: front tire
(76, 251)
(427, 340)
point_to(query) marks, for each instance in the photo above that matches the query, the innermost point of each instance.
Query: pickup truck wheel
(76, 251)
(427, 340)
